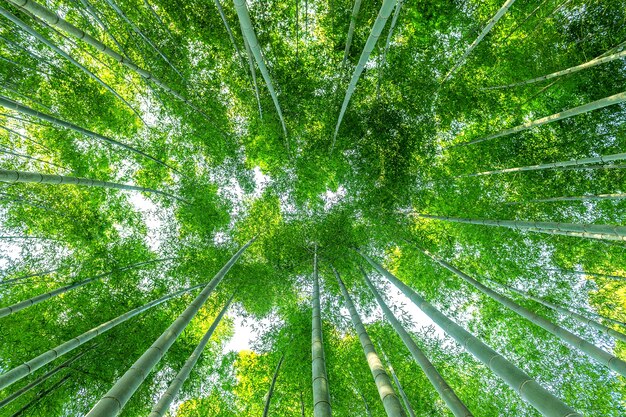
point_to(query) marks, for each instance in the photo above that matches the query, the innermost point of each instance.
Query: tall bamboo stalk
(13, 105)
(32, 365)
(55, 20)
(383, 60)
(377, 28)
(490, 24)
(250, 36)
(114, 400)
(35, 177)
(540, 398)
(161, 407)
(266, 409)
(355, 13)
(567, 71)
(447, 394)
(42, 378)
(588, 197)
(135, 29)
(65, 55)
(550, 165)
(579, 317)
(14, 308)
(41, 396)
(610, 361)
(585, 108)
(405, 398)
(590, 231)
(321, 395)
(390, 401)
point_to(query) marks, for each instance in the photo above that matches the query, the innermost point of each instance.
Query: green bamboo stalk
(447, 394)
(585, 108)
(32, 365)
(579, 317)
(250, 36)
(490, 24)
(35, 177)
(610, 361)
(65, 55)
(383, 60)
(161, 407)
(41, 396)
(253, 72)
(570, 70)
(355, 13)
(591, 274)
(588, 197)
(541, 399)
(13, 105)
(377, 28)
(42, 378)
(231, 36)
(94, 13)
(135, 29)
(23, 277)
(14, 308)
(30, 158)
(53, 19)
(158, 18)
(321, 395)
(550, 165)
(405, 398)
(590, 231)
(112, 403)
(266, 409)
(390, 401)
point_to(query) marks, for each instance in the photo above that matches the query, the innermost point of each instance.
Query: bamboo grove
(312, 208)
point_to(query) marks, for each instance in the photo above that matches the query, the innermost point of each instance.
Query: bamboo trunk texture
(540, 398)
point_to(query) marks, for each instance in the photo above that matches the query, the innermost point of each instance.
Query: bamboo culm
(590, 231)
(55, 20)
(42, 395)
(550, 165)
(454, 403)
(485, 31)
(268, 400)
(390, 401)
(377, 28)
(540, 398)
(65, 55)
(35, 177)
(32, 365)
(116, 398)
(610, 361)
(321, 395)
(355, 13)
(13, 105)
(44, 377)
(383, 60)
(585, 108)
(405, 398)
(567, 71)
(579, 317)
(616, 196)
(135, 29)
(14, 308)
(161, 407)
(248, 33)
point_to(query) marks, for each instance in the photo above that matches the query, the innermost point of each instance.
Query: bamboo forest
(312, 208)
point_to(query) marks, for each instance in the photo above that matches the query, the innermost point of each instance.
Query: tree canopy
(408, 208)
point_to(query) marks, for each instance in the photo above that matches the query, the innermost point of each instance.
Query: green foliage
(399, 152)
